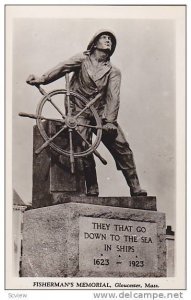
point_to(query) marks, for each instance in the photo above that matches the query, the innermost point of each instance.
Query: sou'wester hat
(97, 36)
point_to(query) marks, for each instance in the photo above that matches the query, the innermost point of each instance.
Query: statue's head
(104, 40)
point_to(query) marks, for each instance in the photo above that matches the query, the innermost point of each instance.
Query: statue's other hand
(110, 128)
(33, 80)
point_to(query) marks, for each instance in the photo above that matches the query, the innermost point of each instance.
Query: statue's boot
(92, 191)
(91, 179)
(133, 182)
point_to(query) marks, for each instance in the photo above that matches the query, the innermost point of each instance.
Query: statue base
(104, 239)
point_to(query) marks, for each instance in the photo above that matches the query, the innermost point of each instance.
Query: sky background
(145, 54)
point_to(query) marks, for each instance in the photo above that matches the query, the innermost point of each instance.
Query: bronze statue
(95, 77)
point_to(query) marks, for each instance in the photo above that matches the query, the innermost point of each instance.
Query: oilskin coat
(88, 81)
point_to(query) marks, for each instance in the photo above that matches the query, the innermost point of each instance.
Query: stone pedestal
(114, 237)
(52, 178)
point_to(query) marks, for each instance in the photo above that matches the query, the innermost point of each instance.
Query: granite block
(55, 242)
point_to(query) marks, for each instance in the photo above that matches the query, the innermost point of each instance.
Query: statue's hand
(34, 80)
(110, 128)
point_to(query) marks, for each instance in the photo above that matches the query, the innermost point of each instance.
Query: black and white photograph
(95, 147)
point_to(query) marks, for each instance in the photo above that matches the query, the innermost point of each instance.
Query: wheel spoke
(50, 140)
(54, 120)
(90, 145)
(83, 138)
(90, 103)
(32, 116)
(71, 151)
(68, 94)
(90, 126)
(57, 108)
(50, 100)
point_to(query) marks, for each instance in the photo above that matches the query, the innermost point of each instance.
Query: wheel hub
(71, 122)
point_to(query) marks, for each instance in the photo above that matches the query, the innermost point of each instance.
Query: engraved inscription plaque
(119, 246)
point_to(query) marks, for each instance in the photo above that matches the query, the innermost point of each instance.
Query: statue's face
(104, 42)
